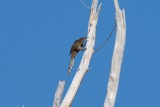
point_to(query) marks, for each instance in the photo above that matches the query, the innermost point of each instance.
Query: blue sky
(35, 39)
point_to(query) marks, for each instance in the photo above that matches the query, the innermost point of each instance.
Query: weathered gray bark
(58, 94)
(83, 67)
(117, 57)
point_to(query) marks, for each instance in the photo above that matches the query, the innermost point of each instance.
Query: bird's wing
(73, 47)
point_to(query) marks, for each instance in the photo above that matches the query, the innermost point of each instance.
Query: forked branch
(117, 57)
(83, 67)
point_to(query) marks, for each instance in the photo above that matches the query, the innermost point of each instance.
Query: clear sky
(35, 39)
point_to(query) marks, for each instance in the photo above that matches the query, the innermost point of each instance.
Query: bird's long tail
(71, 65)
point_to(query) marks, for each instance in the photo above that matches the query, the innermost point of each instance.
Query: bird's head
(82, 39)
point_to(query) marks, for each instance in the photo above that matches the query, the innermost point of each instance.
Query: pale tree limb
(58, 94)
(83, 67)
(22, 106)
(117, 57)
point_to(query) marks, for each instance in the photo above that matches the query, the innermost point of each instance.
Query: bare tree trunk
(117, 57)
(58, 94)
(83, 67)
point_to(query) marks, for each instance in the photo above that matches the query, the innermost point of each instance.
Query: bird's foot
(84, 49)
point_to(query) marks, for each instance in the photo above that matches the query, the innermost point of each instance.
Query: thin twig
(85, 5)
(106, 38)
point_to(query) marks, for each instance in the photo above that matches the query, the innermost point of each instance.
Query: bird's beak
(87, 38)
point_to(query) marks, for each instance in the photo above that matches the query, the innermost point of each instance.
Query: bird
(78, 45)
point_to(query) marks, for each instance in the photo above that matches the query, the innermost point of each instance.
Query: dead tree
(117, 57)
(83, 67)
